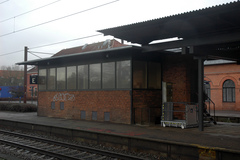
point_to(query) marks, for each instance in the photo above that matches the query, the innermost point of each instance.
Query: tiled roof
(33, 70)
(90, 47)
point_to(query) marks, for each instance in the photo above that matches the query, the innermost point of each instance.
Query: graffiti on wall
(63, 97)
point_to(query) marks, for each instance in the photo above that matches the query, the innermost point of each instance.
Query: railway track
(53, 150)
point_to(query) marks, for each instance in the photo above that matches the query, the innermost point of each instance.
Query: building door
(167, 92)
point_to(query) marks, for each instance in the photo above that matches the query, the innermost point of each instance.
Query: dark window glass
(95, 76)
(228, 91)
(154, 75)
(53, 105)
(61, 78)
(94, 115)
(51, 79)
(83, 114)
(62, 105)
(139, 74)
(108, 79)
(106, 116)
(71, 77)
(123, 74)
(83, 77)
(42, 79)
(35, 92)
(207, 90)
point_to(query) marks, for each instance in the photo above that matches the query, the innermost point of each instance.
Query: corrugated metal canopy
(205, 22)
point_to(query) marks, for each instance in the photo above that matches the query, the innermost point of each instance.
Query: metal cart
(179, 114)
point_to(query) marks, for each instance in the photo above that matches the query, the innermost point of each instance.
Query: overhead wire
(66, 41)
(5, 54)
(29, 11)
(55, 20)
(42, 53)
(34, 54)
(59, 18)
(3, 2)
(46, 45)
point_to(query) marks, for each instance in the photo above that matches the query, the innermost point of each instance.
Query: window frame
(67, 78)
(225, 91)
(126, 73)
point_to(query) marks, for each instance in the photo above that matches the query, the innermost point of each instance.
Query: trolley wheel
(182, 126)
(164, 125)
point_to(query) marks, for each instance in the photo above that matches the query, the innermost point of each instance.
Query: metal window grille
(106, 116)
(94, 115)
(83, 114)
(228, 91)
(62, 105)
(53, 105)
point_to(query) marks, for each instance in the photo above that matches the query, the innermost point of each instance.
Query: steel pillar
(200, 92)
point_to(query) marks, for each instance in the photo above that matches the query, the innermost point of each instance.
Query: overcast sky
(54, 21)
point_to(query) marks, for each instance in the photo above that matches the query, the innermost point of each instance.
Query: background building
(11, 84)
(223, 84)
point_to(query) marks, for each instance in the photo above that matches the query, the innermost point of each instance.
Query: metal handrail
(210, 100)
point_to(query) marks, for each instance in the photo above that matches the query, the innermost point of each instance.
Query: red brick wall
(181, 71)
(217, 74)
(117, 103)
(145, 101)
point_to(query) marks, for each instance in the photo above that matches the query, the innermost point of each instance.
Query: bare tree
(11, 76)
(16, 91)
(12, 68)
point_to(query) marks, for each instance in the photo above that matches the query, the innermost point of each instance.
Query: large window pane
(228, 91)
(154, 75)
(83, 77)
(123, 74)
(61, 78)
(51, 79)
(108, 79)
(42, 79)
(71, 77)
(95, 76)
(207, 90)
(139, 74)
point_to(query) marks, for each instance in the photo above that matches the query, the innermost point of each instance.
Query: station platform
(222, 135)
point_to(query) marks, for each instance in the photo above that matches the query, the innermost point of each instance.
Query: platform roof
(212, 32)
(78, 57)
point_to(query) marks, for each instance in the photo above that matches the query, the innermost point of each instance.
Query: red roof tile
(90, 47)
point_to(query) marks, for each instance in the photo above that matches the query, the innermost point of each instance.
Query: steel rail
(64, 144)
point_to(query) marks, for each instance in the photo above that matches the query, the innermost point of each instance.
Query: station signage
(33, 79)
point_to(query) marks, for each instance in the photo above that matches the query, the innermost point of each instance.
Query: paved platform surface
(222, 135)
(227, 113)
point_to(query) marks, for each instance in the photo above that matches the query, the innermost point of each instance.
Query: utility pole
(25, 75)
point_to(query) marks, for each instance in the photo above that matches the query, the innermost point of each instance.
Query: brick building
(114, 83)
(128, 84)
(223, 84)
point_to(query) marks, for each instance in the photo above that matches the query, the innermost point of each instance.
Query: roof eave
(36, 62)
